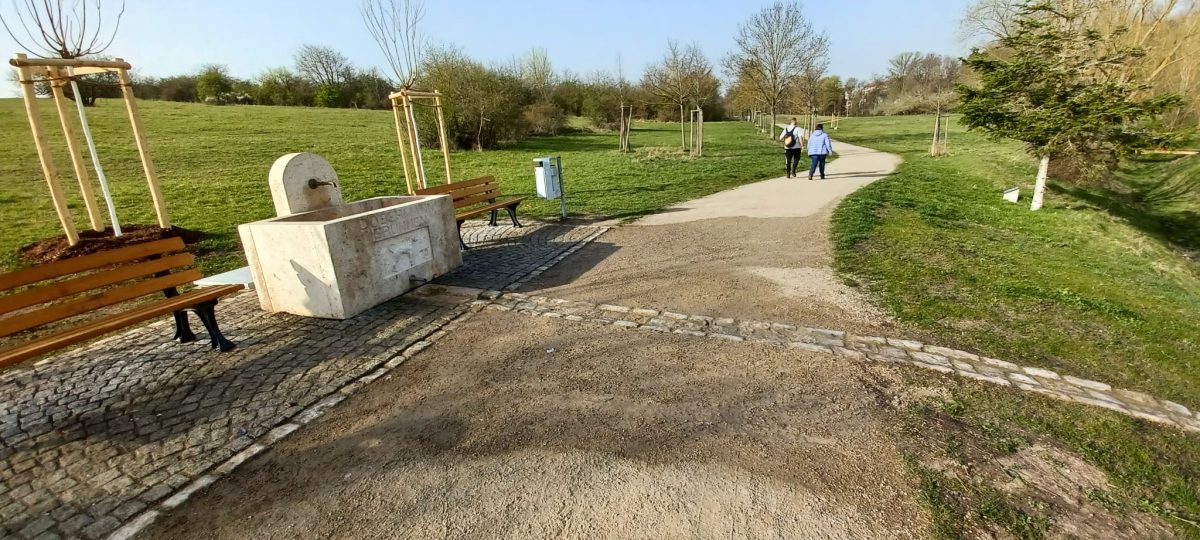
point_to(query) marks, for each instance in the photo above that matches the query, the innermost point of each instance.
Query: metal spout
(313, 183)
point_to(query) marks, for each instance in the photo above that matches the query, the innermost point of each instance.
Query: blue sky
(163, 37)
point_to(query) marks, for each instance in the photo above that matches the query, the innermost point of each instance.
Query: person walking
(819, 148)
(792, 145)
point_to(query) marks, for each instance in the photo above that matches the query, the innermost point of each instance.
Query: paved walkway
(784, 197)
(95, 436)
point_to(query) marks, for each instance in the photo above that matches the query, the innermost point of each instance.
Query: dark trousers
(814, 162)
(791, 160)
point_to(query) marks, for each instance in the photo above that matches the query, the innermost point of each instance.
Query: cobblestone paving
(92, 437)
(863, 348)
(502, 255)
(96, 441)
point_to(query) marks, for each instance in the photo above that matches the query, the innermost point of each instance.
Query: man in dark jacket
(791, 147)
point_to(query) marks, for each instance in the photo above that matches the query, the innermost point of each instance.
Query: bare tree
(54, 29)
(775, 48)
(989, 20)
(677, 79)
(537, 72)
(393, 26)
(324, 66)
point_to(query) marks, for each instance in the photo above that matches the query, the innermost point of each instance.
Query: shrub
(328, 96)
(544, 118)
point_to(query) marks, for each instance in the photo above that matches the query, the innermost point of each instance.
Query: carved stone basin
(339, 261)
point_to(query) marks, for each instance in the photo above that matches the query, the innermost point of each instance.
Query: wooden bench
(85, 284)
(473, 198)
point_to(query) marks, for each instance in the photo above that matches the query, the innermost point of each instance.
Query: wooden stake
(411, 118)
(43, 150)
(85, 186)
(400, 140)
(160, 206)
(437, 104)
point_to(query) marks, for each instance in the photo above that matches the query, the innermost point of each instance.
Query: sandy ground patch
(524, 427)
(775, 269)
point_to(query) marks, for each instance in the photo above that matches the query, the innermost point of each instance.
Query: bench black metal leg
(512, 213)
(492, 221)
(183, 332)
(460, 238)
(208, 315)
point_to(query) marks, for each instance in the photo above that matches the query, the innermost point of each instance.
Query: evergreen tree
(1049, 87)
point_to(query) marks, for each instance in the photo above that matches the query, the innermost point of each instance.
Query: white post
(1039, 189)
(87, 134)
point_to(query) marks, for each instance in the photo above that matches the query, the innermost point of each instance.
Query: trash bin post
(562, 193)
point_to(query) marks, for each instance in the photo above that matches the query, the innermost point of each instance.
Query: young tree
(775, 48)
(1049, 92)
(77, 30)
(60, 30)
(393, 24)
(677, 78)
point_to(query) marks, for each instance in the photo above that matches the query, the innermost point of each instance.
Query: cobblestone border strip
(424, 337)
(557, 259)
(863, 348)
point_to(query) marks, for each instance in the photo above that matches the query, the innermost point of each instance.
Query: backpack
(791, 138)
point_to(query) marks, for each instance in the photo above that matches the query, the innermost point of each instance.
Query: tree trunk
(479, 136)
(1039, 189)
(682, 128)
(772, 130)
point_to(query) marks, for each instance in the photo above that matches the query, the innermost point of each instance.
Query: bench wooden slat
(485, 209)
(63, 289)
(459, 196)
(483, 198)
(58, 312)
(447, 188)
(64, 267)
(87, 331)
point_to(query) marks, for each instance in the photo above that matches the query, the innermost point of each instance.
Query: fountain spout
(313, 183)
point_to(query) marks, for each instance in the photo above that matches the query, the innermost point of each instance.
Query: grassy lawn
(213, 162)
(1075, 286)
(1102, 282)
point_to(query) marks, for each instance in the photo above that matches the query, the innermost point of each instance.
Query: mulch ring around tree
(57, 248)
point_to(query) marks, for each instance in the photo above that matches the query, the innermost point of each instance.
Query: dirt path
(551, 428)
(761, 251)
(554, 428)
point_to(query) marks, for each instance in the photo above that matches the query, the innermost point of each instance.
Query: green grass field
(1079, 286)
(213, 162)
(1098, 283)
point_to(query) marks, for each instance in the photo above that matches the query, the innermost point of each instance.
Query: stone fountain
(322, 258)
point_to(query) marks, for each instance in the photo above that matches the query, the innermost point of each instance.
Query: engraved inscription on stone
(399, 253)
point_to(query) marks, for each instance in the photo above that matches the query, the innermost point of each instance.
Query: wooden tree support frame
(696, 140)
(941, 134)
(407, 136)
(54, 70)
(626, 124)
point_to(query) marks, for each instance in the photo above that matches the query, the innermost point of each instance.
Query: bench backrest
(467, 192)
(123, 274)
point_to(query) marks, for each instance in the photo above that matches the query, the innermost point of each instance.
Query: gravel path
(558, 429)
(782, 197)
(760, 251)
